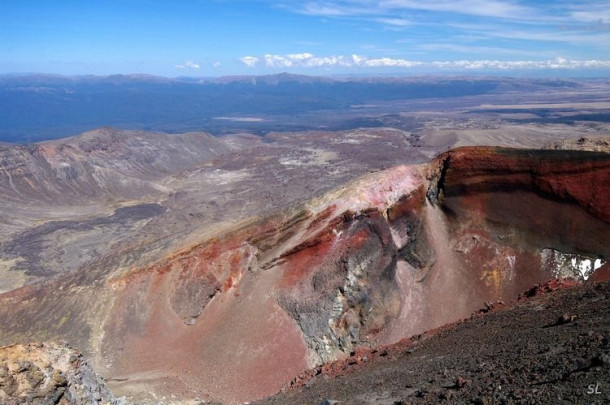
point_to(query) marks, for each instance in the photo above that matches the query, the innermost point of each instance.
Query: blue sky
(228, 37)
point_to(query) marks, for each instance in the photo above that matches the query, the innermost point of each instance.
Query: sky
(204, 38)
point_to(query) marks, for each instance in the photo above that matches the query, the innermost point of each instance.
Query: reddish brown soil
(551, 346)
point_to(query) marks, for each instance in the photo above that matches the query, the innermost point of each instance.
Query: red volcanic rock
(568, 176)
(547, 287)
(601, 274)
(389, 256)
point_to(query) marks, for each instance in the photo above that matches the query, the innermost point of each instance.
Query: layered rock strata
(390, 255)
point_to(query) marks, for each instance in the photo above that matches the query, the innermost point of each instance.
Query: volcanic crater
(233, 310)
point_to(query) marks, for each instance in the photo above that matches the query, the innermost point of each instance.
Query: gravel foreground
(550, 347)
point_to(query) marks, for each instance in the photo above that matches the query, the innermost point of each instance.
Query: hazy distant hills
(39, 107)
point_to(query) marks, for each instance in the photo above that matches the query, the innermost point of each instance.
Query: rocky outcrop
(49, 374)
(390, 255)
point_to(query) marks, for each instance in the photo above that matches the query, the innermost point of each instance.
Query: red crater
(238, 316)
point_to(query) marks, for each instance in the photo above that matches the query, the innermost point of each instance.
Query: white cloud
(593, 35)
(250, 61)
(557, 63)
(472, 49)
(395, 15)
(300, 56)
(189, 64)
(328, 61)
(388, 8)
(588, 38)
(592, 16)
(594, 13)
(307, 60)
(484, 8)
(389, 62)
(394, 22)
(561, 26)
(277, 61)
(335, 9)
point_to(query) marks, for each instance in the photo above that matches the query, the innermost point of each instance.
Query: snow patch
(564, 265)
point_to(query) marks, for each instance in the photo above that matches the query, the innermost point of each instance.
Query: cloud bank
(557, 63)
(311, 61)
(308, 60)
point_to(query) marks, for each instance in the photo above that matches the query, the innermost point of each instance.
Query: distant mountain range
(41, 107)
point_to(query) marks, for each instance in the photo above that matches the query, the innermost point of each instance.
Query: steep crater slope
(67, 202)
(549, 347)
(390, 255)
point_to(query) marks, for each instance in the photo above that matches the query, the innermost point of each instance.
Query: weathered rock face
(49, 374)
(512, 211)
(390, 255)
